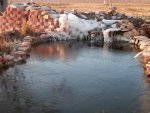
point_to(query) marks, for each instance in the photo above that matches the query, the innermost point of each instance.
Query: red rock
(46, 17)
(20, 53)
(61, 11)
(135, 32)
(25, 44)
(43, 36)
(28, 38)
(3, 60)
(24, 49)
(9, 57)
(148, 31)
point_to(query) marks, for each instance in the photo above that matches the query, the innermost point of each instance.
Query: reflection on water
(75, 78)
(59, 50)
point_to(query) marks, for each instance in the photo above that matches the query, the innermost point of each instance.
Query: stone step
(28, 38)
(26, 49)
(147, 65)
(139, 38)
(144, 43)
(146, 53)
(25, 44)
(21, 54)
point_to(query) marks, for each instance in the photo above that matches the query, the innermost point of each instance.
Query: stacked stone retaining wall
(14, 19)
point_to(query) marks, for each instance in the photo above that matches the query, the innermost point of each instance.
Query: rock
(142, 44)
(146, 59)
(146, 28)
(46, 17)
(147, 21)
(20, 6)
(114, 25)
(146, 48)
(128, 35)
(110, 22)
(5, 59)
(45, 12)
(25, 44)
(28, 39)
(124, 21)
(19, 60)
(129, 25)
(113, 17)
(26, 49)
(147, 72)
(9, 57)
(132, 41)
(11, 35)
(20, 54)
(142, 32)
(135, 32)
(146, 53)
(45, 8)
(43, 36)
(96, 37)
(125, 24)
(144, 41)
(139, 38)
(122, 27)
(32, 8)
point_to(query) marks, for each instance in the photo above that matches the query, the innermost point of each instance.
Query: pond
(76, 78)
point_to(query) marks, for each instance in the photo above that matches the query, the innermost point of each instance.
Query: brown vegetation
(141, 10)
(24, 28)
(5, 47)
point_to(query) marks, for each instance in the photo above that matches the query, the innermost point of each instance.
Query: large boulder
(135, 33)
(146, 27)
(125, 24)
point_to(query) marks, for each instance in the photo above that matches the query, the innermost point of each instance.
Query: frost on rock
(77, 27)
(106, 34)
(109, 22)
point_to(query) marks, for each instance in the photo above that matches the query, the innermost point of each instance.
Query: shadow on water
(76, 78)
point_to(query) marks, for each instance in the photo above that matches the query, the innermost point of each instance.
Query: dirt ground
(142, 10)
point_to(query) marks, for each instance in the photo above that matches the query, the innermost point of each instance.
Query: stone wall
(12, 19)
(39, 22)
(15, 17)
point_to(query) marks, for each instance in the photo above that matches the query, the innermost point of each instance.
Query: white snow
(106, 34)
(109, 22)
(77, 27)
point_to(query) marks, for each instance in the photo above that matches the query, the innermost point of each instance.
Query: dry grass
(5, 47)
(141, 10)
(24, 28)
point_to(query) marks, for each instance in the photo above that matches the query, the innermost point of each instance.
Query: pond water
(75, 78)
